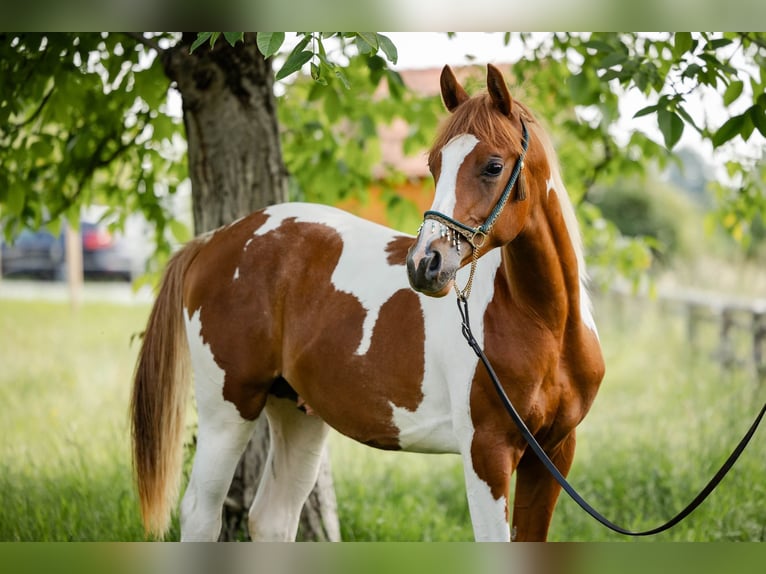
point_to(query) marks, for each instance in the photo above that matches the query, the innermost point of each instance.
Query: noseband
(476, 236)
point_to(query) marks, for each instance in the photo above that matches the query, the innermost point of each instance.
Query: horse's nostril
(434, 264)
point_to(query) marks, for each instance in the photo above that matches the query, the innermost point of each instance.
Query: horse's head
(480, 200)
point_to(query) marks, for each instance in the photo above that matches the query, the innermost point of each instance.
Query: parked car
(43, 255)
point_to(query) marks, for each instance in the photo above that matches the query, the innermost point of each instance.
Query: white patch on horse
(487, 513)
(453, 155)
(363, 242)
(208, 376)
(236, 274)
(221, 437)
(443, 418)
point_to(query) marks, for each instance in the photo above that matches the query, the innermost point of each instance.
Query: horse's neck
(541, 266)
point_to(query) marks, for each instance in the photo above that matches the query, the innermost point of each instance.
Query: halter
(476, 236)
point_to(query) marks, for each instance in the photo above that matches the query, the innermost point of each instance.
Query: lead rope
(462, 303)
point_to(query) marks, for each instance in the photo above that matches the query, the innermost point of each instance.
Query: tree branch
(754, 39)
(148, 42)
(31, 118)
(599, 167)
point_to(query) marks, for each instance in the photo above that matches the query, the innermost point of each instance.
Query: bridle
(477, 236)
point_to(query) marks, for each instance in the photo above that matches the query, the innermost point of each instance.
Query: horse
(319, 320)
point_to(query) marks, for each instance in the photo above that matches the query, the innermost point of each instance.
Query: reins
(462, 303)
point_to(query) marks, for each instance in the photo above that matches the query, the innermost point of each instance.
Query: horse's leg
(295, 452)
(537, 491)
(222, 436)
(487, 466)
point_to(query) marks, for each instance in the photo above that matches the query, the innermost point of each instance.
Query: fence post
(74, 265)
(759, 344)
(694, 315)
(725, 346)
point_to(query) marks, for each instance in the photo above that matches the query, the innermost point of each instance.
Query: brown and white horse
(308, 314)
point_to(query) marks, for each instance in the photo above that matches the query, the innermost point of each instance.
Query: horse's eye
(493, 169)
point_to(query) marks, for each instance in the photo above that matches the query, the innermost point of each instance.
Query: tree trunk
(236, 167)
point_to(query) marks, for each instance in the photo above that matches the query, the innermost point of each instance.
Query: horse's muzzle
(431, 266)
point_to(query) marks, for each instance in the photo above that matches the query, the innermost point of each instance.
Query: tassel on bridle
(521, 186)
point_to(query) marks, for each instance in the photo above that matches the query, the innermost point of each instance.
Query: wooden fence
(740, 324)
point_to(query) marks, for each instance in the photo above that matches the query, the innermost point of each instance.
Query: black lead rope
(538, 450)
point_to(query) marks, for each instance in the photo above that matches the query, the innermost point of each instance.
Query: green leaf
(342, 77)
(747, 126)
(732, 92)
(732, 127)
(612, 59)
(599, 46)
(179, 230)
(579, 87)
(389, 49)
(202, 37)
(645, 111)
(757, 116)
(367, 42)
(682, 43)
(691, 71)
(671, 125)
(294, 62)
(269, 42)
(15, 201)
(719, 43)
(233, 37)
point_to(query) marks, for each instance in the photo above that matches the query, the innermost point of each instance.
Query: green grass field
(664, 421)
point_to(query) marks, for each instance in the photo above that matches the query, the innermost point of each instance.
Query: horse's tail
(160, 396)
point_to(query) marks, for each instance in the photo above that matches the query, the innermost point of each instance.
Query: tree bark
(236, 167)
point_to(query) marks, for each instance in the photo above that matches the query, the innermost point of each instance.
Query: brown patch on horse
(397, 249)
(229, 310)
(284, 319)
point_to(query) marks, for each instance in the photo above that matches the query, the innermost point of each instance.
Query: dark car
(41, 254)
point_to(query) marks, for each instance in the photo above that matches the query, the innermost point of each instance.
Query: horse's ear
(453, 93)
(498, 90)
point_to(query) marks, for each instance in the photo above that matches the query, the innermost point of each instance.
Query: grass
(65, 469)
(665, 419)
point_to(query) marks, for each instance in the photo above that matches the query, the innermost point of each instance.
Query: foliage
(330, 141)
(84, 119)
(667, 68)
(741, 209)
(649, 211)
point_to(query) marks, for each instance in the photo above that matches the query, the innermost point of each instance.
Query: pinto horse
(321, 319)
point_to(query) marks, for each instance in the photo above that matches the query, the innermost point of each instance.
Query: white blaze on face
(445, 197)
(453, 156)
